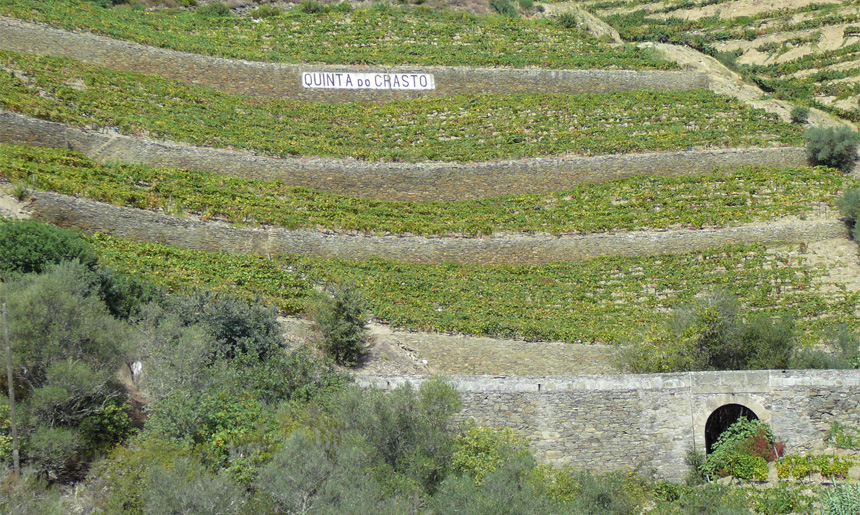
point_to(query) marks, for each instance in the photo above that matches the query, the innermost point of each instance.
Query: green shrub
(341, 318)
(56, 452)
(709, 334)
(120, 479)
(568, 20)
(784, 498)
(235, 326)
(29, 494)
(836, 148)
(408, 430)
(506, 491)
(849, 207)
(505, 8)
(741, 451)
(481, 450)
(29, 246)
(214, 10)
(312, 7)
(185, 486)
(695, 459)
(843, 436)
(799, 114)
(526, 4)
(296, 476)
(602, 495)
(264, 11)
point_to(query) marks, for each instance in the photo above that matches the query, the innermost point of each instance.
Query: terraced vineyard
(637, 203)
(462, 128)
(367, 36)
(608, 299)
(802, 51)
(605, 299)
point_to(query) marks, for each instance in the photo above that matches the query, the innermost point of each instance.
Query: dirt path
(398, 352)
(11, 207)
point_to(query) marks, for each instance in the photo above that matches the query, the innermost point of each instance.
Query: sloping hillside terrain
(592, 299)
(574, 189)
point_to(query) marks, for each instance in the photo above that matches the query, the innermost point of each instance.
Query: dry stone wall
(141, 225)
(606, 423)
(392, 181)
(284, 80)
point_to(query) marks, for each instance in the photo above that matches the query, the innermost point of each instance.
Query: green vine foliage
(400, 35)
(710, 200)
(600, 299)
(464, 128)
(741, 451)
(844, 436)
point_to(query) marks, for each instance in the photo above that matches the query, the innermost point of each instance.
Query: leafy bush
(67, 349)
(799, 114)
(784, 498)
(342, 320)
(297, 474)
(185, 486)
(602, 495)
(568, 20)
(120, 480)
(843, 436)
(526, 4)
(312, 7)
(481, 450)
(214, 10)
(264, 11)
(836, 148)
(709, 334)
(508, 490)
(29, 246)
(408, 430)
(57, 452)
(742, 451)
(28, 494)
(505, 8)
(234, 326)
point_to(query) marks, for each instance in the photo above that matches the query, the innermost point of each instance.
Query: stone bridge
(604, 423)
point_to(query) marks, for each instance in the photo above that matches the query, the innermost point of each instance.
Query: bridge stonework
(649, 421)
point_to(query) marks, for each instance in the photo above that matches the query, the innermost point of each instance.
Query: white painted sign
(349, 80)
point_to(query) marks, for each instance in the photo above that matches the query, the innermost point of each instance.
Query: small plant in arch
(743, 451)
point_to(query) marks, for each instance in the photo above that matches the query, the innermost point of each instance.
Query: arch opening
(721, 419)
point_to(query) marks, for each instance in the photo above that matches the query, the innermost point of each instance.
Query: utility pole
(16, 463)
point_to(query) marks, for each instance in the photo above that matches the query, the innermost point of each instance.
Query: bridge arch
(705, 406)
(720, 420)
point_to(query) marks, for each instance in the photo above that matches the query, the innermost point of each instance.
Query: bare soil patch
(398, 352)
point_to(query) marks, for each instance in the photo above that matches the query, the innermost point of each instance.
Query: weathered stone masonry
(135, 224)
(622, 421)
(284, 80)
(392, 181)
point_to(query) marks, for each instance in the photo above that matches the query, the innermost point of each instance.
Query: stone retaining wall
(140, 225)
(284, 80)
(604, 423)
(392, 181)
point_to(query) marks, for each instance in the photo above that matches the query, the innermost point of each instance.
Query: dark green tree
(341, 317)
